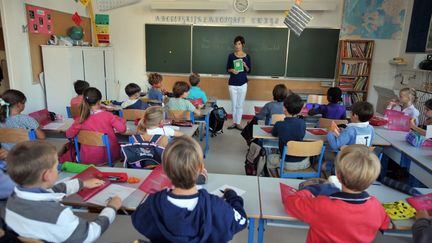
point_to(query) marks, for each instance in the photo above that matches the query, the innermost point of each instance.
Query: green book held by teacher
(238, 65)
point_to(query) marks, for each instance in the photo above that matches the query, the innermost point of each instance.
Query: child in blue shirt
(280, 92)
(133, 91)
(196, 92)
(155, 92)
(358, 131)
(186, 214)
(6, 183)
(292, 128)
(334, 109)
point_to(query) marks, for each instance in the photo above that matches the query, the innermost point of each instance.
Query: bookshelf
(354, 69)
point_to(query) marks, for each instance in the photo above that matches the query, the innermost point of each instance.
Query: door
(113, 86)
(94, 69)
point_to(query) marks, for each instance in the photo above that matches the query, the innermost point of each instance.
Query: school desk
(418, 161)
(246, 183)
(260, 133)
(273, 213)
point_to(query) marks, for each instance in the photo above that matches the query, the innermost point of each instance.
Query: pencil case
(74, 167)
(417, 140)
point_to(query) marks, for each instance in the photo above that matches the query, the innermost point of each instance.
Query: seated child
(428, 115)
(292, 129)
(334, 109)
(186, 214)
(280, 92)
(350, 215)
(155, 92)
(407, 98)
(196, 92)
(179, 102)
(79, 86)
(133, 91)
(93, 118)
(6, 184)
(422, 228)
(358, 131)
(35, 211)
(152, 124)
(12, 104)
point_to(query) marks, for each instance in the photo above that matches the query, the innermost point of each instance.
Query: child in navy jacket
(133, 91)
(186, 214)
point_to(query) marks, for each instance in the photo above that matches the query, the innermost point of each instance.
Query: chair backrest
(132, 114)
(317, 99)
(179, 115)
(326, 123)
(75, 111)
(95, 139)
(277, 117)
(16, 135)
(28, 240)
(163, 141)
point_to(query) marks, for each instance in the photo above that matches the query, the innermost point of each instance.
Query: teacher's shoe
(238, 127)
(233, 126)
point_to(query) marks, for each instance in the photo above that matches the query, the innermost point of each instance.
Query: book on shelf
(355, 69)
(353, 83)
(350, 98)
(358, 49)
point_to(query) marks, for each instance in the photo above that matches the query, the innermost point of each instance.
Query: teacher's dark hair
(239, 38)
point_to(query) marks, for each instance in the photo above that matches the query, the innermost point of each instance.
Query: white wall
(17, 46)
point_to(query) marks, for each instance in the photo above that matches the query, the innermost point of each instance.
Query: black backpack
(217, 118)
(142, 154)
(255, 159)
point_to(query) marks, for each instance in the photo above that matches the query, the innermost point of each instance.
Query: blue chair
(303, 149)
(16, 135)
(73, 112)
(94, 139)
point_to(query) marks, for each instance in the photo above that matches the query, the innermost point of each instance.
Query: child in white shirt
(407, 98)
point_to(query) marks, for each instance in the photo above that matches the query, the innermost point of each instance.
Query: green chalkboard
(313, 54)
(267, 48)
(168, 48)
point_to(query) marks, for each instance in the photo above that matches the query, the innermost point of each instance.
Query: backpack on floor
(217, 118)
(142, 154)
(255, 159)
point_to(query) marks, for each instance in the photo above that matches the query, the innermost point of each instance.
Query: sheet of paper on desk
(53, 125)
(173, 127)
(218, 192)
(429, 131)
(112, 190)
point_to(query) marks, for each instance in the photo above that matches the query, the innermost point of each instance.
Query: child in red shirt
(350, 215)
(93, 118)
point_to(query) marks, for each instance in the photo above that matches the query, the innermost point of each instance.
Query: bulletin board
(61, 23)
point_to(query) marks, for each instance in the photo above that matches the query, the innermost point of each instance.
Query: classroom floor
(227, 155)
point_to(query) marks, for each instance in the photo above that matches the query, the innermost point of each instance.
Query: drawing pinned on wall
(102, 28)
(105, 5)
(39, 20)
(76, 19)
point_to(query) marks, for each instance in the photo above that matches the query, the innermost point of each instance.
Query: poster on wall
(39, 20)
(102, 28)
(377, 19)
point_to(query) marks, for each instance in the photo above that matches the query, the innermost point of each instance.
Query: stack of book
(358, 49)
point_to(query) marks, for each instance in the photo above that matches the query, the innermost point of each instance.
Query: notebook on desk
(156, 181)
(91, 173)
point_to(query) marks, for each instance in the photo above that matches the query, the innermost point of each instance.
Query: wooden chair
(317, 99)
(277, 117)
(303, 149)
(132, 114)
(73, 111)
(16, 135)
(181, 115)
(28, 240)
(94, 139)
(326, 123)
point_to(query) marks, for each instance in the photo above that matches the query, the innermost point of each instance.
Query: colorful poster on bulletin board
(102, 28)
(39, 20)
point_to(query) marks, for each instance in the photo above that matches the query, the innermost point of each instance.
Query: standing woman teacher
(238, 80)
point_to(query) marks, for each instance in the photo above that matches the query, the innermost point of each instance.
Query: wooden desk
(421, 168)
(259, 133)
(273, 212)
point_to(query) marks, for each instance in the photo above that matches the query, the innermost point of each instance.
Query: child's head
(362, 111)
(334, 95)
(428, 108)
(152, 118)
(293, 104)
(357, 167)
(407, 96)
(183, 161)
(280, 92)
(155, 80)
(11, 99)
(194, 79)
(180, 89)
(33, 163)
(133, 90)
(91, 97)
(80, 86)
